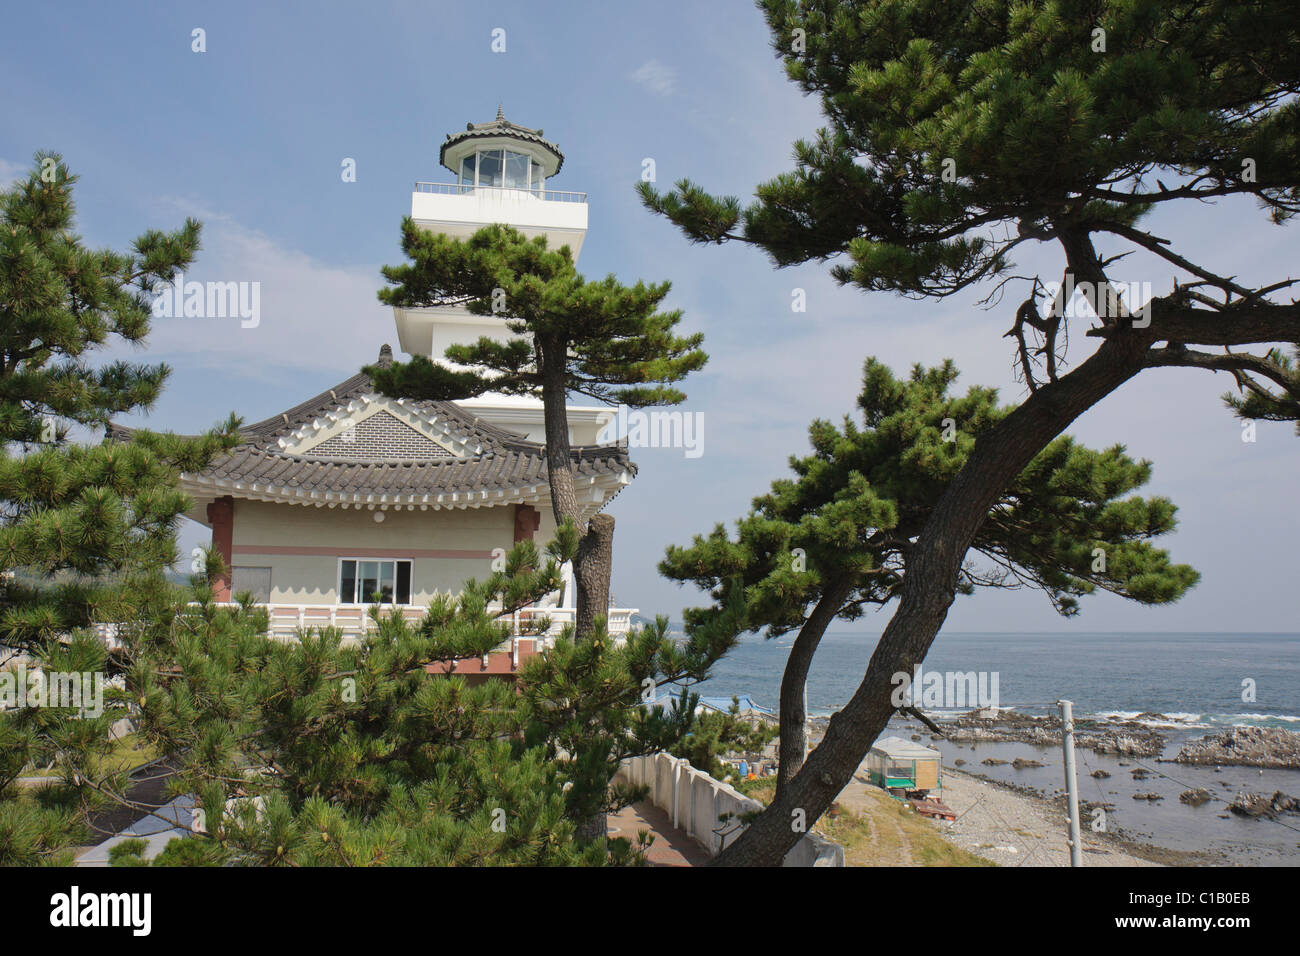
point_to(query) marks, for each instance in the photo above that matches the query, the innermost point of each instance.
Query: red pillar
(221, 515)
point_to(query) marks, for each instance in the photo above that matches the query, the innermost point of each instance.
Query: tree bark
(593, 563)
(928, 590)
(794, 683)
(592, 569)
(555, 415)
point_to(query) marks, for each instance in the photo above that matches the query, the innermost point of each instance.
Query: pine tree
(313, 752)
(317, 752)
(956, 133)
(833, 541)
(597, 338)
(86, 531)
(715, 734)
(593, 703)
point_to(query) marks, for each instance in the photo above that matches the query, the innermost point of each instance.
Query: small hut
(904, 768)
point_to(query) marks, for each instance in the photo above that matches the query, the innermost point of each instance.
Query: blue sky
(249, 137)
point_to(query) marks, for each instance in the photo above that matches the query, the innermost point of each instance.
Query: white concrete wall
(302, 545)
(696, 800)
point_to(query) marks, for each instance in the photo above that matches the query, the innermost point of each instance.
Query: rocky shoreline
(1266, 747)
(1122, 738)
(1269, 747)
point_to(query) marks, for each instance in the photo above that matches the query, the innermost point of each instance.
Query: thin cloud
(10, 171)
(656, 77)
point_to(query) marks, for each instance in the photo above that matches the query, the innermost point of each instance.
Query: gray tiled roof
(505, 466)
(500, 127)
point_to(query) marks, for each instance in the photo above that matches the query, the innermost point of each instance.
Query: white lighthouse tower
(501, 174)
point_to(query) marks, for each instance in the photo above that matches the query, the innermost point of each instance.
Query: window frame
(394, 561)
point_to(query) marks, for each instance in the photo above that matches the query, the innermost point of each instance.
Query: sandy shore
(1014, 829)
(1007, 827)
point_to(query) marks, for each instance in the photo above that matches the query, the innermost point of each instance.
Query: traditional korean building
(350, 493)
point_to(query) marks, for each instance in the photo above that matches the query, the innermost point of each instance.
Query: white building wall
(302, 545)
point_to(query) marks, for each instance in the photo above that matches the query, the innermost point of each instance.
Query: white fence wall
(696, 801)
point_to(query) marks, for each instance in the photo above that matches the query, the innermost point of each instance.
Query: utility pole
(1071, 780)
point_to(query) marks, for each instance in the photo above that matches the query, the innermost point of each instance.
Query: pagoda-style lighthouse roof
(500, 133)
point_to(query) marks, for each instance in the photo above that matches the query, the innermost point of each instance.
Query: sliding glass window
(362, 579)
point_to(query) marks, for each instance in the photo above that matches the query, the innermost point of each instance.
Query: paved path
(670, 848)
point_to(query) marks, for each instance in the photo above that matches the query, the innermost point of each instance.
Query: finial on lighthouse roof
(501, 116)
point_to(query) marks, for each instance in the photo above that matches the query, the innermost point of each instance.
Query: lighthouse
(499, 172)
(352, 498)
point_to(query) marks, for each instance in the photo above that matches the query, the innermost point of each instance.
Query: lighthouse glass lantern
(501, 155)
(503, 168)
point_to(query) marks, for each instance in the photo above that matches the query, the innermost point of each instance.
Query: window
(489, 167)
(501, 167)
(516, 170)
(360, 579)
(256, 581)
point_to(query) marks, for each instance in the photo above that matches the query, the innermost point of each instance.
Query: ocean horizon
(1199, 680)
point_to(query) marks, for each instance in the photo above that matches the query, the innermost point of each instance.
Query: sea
(1197, 684)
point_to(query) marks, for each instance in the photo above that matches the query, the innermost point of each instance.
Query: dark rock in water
(992, 762)
(959, 762)
(1195, 797)
(1252, 805)
(1135, 744)
(1259, 805)
(1141, 773)
(1147, 796)
(916, 736)
(1150, 715)
(1101, 774)
(1245, 747)
(1020, 763)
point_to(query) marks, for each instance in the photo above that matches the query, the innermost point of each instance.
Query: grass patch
(888, 831)
(127, 753)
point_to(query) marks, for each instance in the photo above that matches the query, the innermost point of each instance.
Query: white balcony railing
(354, 619)
(464, 189)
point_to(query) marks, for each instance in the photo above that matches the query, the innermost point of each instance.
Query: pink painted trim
(350, 552)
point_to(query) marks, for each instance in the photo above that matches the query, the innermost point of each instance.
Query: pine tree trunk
(559, 460)
(593, 828)
(592, 564)
(592, 570)
(794, 683)
(929, 587)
